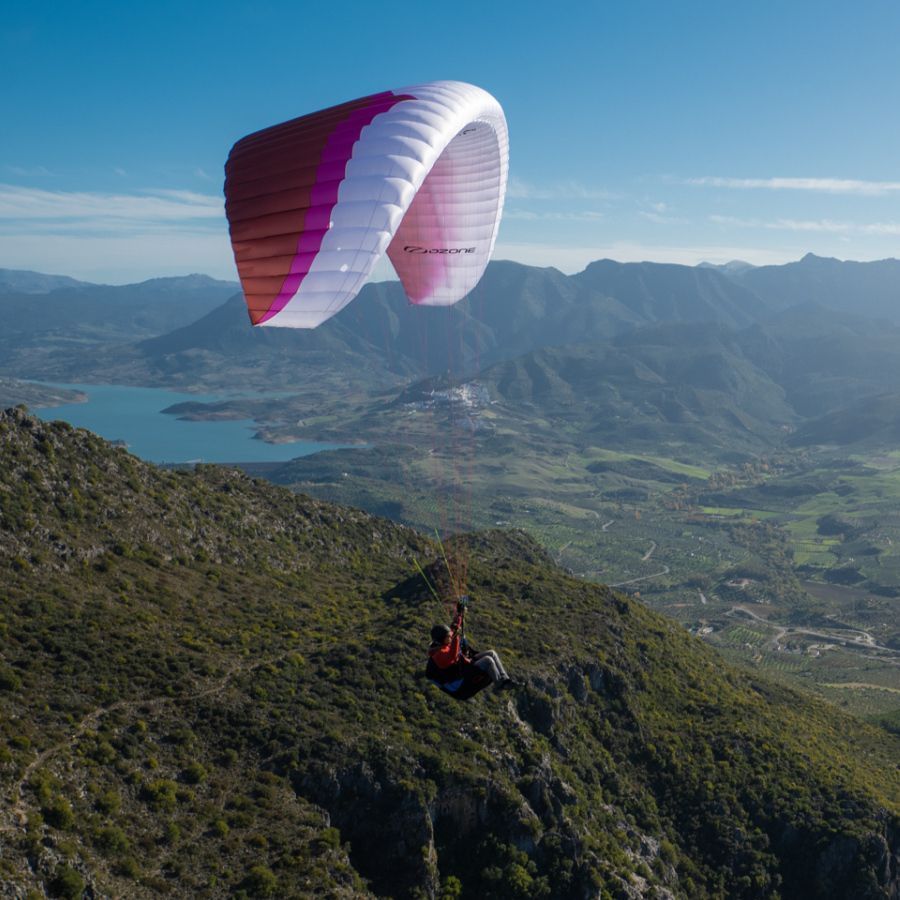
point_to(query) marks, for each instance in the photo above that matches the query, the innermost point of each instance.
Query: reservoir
(134, 416)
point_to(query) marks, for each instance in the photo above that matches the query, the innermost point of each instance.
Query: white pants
(489, 662)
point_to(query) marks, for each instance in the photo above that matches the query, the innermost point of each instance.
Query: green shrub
(261, 882)
(9, 681)
(329, 838)
(108, 802)
(104, 753)
(111, 840)
(66, 883)
(161, 794)
(129, 868)
(228, 758)
(59, 813)
(451, 889)
(195, 773)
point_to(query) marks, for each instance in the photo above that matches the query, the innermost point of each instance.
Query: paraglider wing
(312, 204)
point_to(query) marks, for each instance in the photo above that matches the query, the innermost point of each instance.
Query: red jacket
(446, 655)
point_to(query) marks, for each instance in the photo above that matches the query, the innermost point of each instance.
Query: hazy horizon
(647, 133)
(391, 276)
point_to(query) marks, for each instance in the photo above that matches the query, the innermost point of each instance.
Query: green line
(430, 588)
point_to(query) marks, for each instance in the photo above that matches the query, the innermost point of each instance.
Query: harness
(460, 681)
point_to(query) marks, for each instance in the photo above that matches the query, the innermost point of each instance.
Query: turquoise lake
(134, 415)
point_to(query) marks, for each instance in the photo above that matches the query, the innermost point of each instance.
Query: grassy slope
(211, 686)
(664, 526)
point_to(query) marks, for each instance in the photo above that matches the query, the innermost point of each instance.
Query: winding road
(863, 639)
(663, 571)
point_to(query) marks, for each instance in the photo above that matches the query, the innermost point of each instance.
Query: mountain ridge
(24, 281)
(204, 677)
(515, 309)
(869, 288)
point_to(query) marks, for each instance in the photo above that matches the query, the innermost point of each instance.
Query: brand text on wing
(412, 248)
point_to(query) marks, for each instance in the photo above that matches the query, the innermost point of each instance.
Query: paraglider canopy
(418, 173)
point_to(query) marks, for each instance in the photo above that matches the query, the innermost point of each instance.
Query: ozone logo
(412, 248)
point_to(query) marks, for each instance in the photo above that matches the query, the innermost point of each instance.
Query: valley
(661, 429)
(663, 542)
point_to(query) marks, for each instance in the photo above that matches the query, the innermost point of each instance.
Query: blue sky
(664, 131)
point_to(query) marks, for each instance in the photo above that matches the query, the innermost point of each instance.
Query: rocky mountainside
(24, 281)
(659, 292)
(808, 326)
(864, 288)
(514, 310)
(52, 328)
(212, 687)
(689, 384)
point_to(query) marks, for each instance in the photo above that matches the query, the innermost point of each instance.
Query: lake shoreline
(146, 420)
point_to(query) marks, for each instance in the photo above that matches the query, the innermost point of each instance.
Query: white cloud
(659, 219)
(517, 189)
(528, 215)
(114, 237)
(827, 226)
(29, 171)
(105, 210)
(820, 185)
(121, 258)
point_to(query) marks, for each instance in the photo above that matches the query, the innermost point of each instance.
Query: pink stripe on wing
(335, 155)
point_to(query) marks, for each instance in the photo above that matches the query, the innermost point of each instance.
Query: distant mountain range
(50, 318)
(24, 282)
(733, 267)
(515, 309)
(865, 288)
(618, 342)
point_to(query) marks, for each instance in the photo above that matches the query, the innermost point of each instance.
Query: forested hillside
(212, 687)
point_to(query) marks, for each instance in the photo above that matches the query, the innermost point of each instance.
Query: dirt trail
(663, 571)
(861, 685)
(561, 551)
(18, 811)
